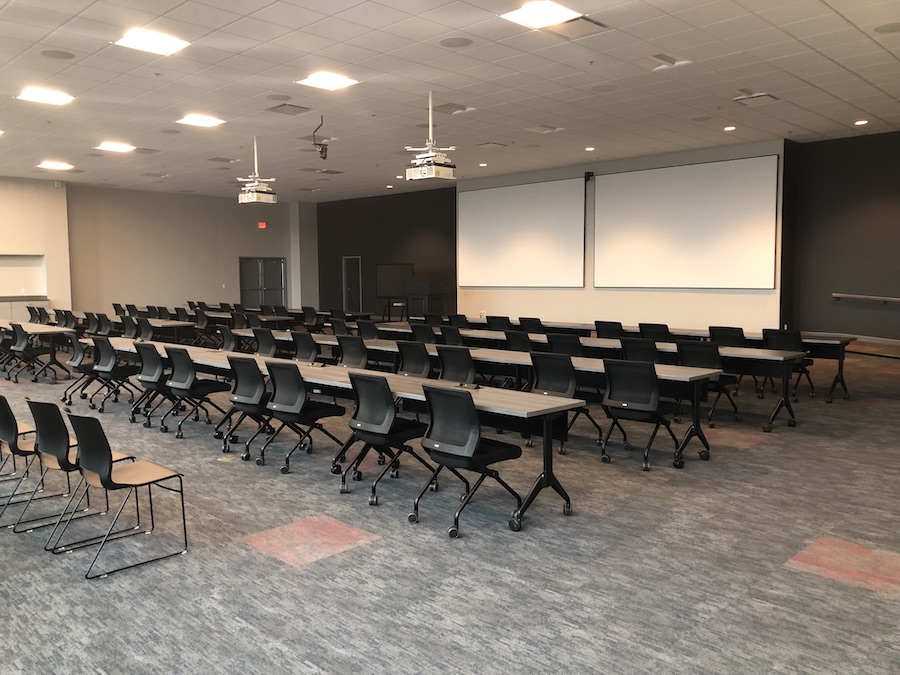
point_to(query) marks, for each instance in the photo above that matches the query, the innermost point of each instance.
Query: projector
(431, 171)
(257, 197)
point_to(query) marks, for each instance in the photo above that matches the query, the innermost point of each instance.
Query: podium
(423, 297)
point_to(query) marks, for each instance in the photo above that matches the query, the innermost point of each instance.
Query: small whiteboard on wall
(710, 225)
(523, 236)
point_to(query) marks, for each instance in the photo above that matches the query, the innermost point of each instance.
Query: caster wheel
(462, 497)
(208, 421)
(646, 466)
(677, 420)
(600, 442)
(101, 409)
(605, 459)
(562, 449)
(219, 435)
(147, 424)
(704, 455)
(846, 397)
(260, 461)
(738, 418)
(335, 469)
(115, 399)
(812, 394)
(381, 460)
(131, 419)
(412, 518)
(434, 487)
(567, 509)
(627, 446)
(829, 400)
(196, 418)
(63, 399)
(453, 532)
(792, 422)
(515, 525)
(270, 430)
(245, 456)
(344, 488)
(92, 406)
(357, 476)
(307, 448)
(678, 463)
(394, 473)
(767, 428)
(285, 469)
(528, 444)
(225, 448)
(82, 396)
(711, 425)
(760, 395)
(163, 428)
(178, 434)
(373, 500)
(794, 399)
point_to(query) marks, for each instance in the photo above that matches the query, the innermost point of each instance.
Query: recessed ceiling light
(483, 164)
(861, 123)
(399, 177)
(540, 14)
(57, 54)
(893, 27)
(729, 128)
(455, 42)
(589, 149)
(329, 81)
(151, 41)
(389, 187)
(113, 146)
(196, 120)
(54, 165)
(41, 95)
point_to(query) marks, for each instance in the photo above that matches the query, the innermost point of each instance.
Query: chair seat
(23, 428)
(488, 452)
(136, 474)
(401, 431)
(202, 389)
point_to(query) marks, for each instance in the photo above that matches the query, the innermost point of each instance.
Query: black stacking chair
(152, 312)
(414, 359)
(306, 350)
(111, 373)
(565, 343)
(632, 394)
(267, 310)
(27, 355)
(292, 407)
(699, 354)
(459, 320)
(104, 325)
(33, 316)
(97, 466)
(531, 324)
(252, 320)
(18, 442)
(188, 390)
(202, 305)
(163, 313)
(204, 331)
(554, 375)
(791, 340)
(339, 326)
(145, 330)
(450, 335)
(280, 310)
(152, 377)
(229, 341)
(376, 424)
(249, 398)
(499, 323)
(181, 314)
(311, 320)
(658, 332)
(456, 364)
(265, 342)
(422, 332)
(238, 320)
(609, 329)
(732, 336)
(129, 327)
(83, 366)
(71, 319)
(118, 310)
(192, 305)
(453, 440)
(43, 315)
(353, 351)
(338, 314)
(433, 319)
(639, 349)
(517, 341)
(59, 317)
(92, 326)
(132, 310)
(366, 329)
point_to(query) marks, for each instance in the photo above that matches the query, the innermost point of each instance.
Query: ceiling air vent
(289, 109)
(749, 98)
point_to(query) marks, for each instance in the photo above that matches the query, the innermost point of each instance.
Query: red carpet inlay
(851, 564)
(306, 541)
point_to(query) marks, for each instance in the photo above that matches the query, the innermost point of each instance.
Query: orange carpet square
(851, 564)
(308, 540)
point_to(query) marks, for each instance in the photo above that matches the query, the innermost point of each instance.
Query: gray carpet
(662, 571)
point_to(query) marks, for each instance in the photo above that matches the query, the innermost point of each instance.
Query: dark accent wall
(848, 234)
(418, 228)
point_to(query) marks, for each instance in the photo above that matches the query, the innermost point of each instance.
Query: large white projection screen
(528, 236)
(698, 226)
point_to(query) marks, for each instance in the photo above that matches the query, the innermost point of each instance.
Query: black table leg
(52, 361)
(694, 430)
(785, 400)
(545, 480)
(839, 378)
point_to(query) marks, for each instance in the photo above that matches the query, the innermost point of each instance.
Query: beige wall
(33, 222)
(146, 247)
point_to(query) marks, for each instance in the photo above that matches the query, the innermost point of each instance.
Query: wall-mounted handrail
(868, 298)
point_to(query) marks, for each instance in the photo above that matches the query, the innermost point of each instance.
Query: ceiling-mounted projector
(431, 162)
(256, 190)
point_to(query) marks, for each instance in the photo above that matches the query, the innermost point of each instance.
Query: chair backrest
(9, 428)
(20, 338)
(658, 332)
(153, 370)
(517, 341)
(414, 359)
(305, 348)
(202, 305)
(225, 307)
(43, 316)
(281, 310)
(499, 323)
(77, 350)
(554, 374)
(59, 316)
(145, 329)
(353, 351)
(71, 319)
(104, 325)
(267, 310)
(93, 324)
(698, 354)
(339, 326)
(104, 355)
(51, 433)
(310, 315)
(422, 332)
(153, 311)
(265, 342)
(564, 343)
(94, 453)
(337, 314)
(453, 428)
(450, 335)
(531, 324)
(788, 340)
(609, 329)
(456, 364)
(184, 373)
(459, 320)
(202, 322)
(433, 319)
(192, 304)
(631, 385)
(129, 326)
(727, 336)
(229, 340)
(118, 309)
(288, 388)
(238, 320)
(132, 309)
(33, 315)
(238, 307)
(253, 320)
(163, 312)
(375, 411)
(249, 384)
(181, 314)
(366, 329)
(639, 349)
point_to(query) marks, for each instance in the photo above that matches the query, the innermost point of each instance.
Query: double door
(262, 282)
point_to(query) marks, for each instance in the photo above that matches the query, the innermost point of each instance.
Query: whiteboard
(523, 236)
(710, 225)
